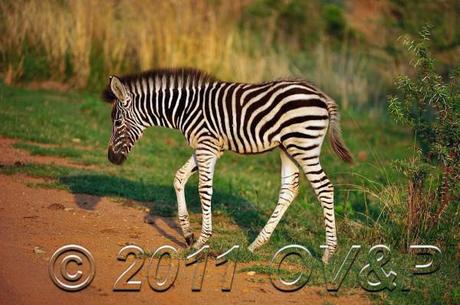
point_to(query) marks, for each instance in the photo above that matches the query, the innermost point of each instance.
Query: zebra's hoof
(190, 239)
(197, 245)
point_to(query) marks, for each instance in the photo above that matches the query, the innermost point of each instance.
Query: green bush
(335, 21)
(430, 106)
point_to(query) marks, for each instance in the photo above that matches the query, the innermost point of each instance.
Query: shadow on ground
(161, 200)
(88, 187)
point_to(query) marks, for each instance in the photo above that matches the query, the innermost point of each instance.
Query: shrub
(335, 20)
(429, 105)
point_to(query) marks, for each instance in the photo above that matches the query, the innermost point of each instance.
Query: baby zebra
(215, 116)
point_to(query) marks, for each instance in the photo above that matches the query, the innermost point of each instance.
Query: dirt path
(10, 155)
(36, 221)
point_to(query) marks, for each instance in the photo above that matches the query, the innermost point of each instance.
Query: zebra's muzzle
(115, 157)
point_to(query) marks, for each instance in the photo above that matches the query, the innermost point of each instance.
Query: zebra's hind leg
(288, 192)
(308, 158)
(180, 180)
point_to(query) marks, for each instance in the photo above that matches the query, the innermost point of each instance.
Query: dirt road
(37, 221)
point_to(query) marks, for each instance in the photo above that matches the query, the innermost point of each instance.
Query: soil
(35, 222)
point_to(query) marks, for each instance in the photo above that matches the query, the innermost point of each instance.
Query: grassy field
(77, 126)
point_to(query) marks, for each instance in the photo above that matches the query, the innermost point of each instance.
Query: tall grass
(346, 75)
(82, 41)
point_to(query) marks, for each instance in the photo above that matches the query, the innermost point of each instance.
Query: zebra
(247, 118)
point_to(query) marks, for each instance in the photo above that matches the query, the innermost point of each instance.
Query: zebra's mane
(174, 77)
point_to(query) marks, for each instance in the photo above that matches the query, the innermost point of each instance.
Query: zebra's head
(126, 129)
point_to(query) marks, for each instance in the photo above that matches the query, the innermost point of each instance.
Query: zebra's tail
(335, 134)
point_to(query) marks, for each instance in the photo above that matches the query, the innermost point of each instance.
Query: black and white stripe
(215, 116)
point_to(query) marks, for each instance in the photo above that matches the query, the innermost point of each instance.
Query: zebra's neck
(168, 101)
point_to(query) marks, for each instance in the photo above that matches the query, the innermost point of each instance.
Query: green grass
(77, 126)
(67, 152)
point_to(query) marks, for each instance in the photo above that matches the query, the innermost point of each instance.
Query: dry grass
(130, 35)
(346, 75)
(82, 42)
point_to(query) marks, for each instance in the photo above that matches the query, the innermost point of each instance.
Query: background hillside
(349, 48)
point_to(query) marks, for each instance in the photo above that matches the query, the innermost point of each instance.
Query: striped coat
(215, 116)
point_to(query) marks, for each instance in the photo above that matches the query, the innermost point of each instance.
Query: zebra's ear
(118, 89)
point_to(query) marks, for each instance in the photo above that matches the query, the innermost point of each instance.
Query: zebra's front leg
(180, 180)
(206, 161)
(288, 192)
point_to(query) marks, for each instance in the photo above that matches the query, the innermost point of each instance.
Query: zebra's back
(253, 118)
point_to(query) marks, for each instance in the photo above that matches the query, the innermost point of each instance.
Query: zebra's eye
(117, 123)
(124, 103)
